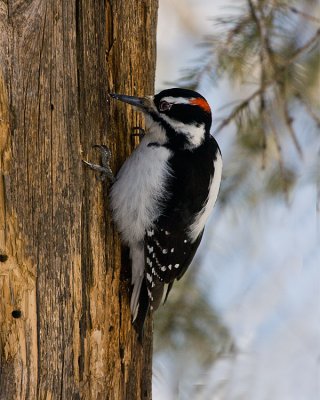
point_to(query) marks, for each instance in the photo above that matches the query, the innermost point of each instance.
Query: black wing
(168, 248)
(168, 253)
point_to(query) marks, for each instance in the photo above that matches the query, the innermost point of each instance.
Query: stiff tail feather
(141, 309)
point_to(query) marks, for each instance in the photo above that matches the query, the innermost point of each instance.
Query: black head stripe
(175, 140)
(189, 114)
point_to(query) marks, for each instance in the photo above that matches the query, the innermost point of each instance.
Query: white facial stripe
(194, 133)
(176, 100)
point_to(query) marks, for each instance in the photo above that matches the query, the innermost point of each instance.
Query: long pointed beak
(139, 102)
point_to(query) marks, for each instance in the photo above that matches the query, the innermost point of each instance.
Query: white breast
(202, 217)
(137, 192)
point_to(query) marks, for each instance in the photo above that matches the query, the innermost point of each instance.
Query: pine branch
(296, 54)
(238, 109)
(266, 59)
(263, 86)
(309, 109)
(309, 17)
(280, 157)
(289, 123)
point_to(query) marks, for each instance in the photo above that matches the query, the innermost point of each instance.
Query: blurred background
(244, 322)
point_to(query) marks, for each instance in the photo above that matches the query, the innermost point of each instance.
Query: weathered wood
(65, 329)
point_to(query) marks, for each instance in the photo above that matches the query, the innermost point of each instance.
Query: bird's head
(183, 114)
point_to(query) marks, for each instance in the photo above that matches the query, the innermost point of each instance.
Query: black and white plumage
(164, 192)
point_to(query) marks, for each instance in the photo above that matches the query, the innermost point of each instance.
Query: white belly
(138, 190)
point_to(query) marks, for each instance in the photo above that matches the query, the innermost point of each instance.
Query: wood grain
(61, 263)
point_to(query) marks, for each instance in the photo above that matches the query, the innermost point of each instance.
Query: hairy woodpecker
(163, 194)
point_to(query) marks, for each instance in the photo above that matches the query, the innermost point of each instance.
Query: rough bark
(65, 329)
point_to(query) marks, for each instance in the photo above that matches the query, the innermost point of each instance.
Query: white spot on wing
(150, 233)
(150, 294)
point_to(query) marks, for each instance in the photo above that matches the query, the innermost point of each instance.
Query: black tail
(142, 310)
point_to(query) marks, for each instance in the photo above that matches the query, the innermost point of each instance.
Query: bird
(164, 192)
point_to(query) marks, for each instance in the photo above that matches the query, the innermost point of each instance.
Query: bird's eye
(164, 106)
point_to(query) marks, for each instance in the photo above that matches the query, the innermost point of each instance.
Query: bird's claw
(104, 169)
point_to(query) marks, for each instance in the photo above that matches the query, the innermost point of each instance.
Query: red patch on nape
(201, 103)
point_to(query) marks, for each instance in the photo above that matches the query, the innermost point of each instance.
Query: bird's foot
(104, 169)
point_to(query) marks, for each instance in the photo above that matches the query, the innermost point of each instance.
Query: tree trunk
(65, 326)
